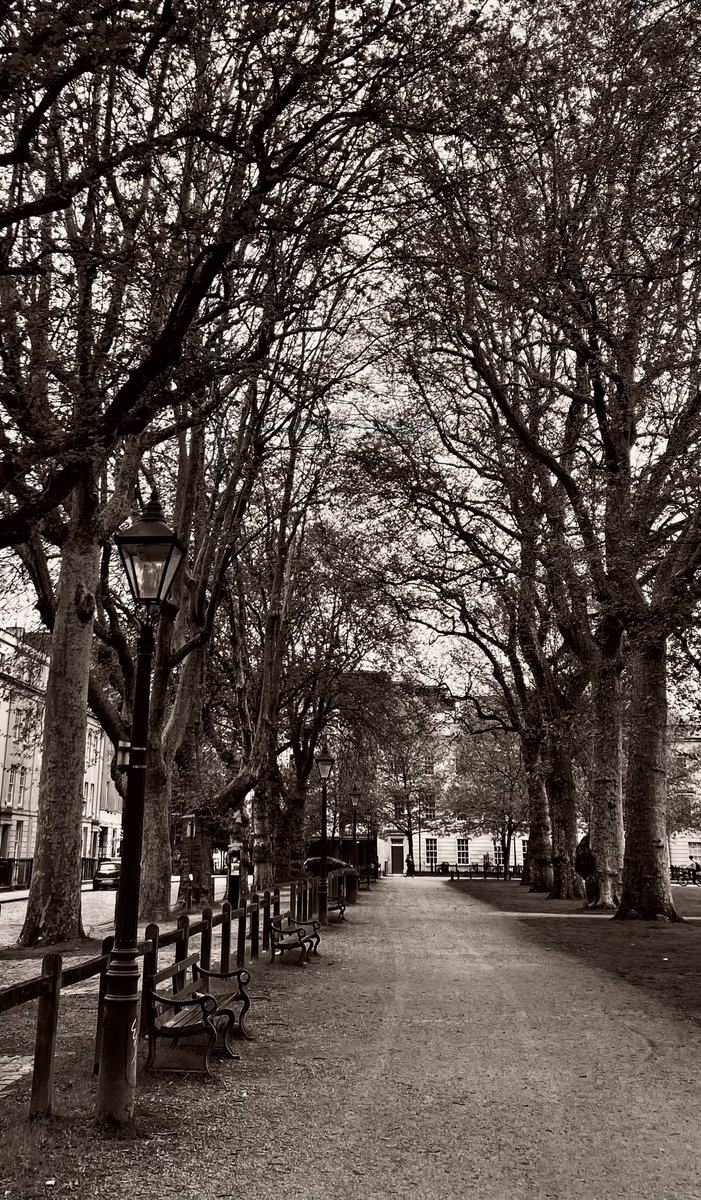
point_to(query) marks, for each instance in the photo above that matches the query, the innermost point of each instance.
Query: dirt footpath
(433, 1052)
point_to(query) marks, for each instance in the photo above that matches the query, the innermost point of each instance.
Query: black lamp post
(355, 799)
(151, 554)
(324, 765)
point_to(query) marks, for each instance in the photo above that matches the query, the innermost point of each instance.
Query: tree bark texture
(53, 909)
(538, 872)
(154, 904)
(263, 835)
(563, 816)
(606, 822)
(647, 893)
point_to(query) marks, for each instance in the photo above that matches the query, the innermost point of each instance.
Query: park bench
(195, 1011)
(336, 897)
(288, 934)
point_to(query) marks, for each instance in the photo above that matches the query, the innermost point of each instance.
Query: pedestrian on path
(410, 870)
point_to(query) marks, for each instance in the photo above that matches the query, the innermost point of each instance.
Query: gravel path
(434, 1052)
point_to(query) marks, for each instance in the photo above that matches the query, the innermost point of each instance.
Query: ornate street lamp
(151, 554)
(355, 800)
(324, 765)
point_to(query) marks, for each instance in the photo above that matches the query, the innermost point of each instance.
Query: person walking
(410, 869)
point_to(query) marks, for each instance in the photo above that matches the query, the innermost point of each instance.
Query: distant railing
(17, 872)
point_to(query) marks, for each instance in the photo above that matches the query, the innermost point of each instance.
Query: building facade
(23, 674)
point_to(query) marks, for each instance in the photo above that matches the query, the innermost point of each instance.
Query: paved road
(433, 1053)
(440, 1054)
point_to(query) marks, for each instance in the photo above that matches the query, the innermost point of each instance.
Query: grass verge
(663, 958)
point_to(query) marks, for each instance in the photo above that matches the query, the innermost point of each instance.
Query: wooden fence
(244, 929)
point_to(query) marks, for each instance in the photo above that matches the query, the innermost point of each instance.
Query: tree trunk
(263, 836)
(606, 823)
(297, 807)
(647, 893)
(154, 902)
(538, 870)
(563, 816)
(195, 886)
(53, 909)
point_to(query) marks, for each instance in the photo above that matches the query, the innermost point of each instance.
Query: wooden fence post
(206, 939)
(255, 926)
(241, 935)
(276, 902)
(152, 935)
(293, 899)
(298, 915)
(182, 947)
(106, 948)
(225, 957)
(45, 1044)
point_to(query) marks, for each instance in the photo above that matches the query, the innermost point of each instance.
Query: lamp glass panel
(149, 561)
(176, 556)
(324, 765)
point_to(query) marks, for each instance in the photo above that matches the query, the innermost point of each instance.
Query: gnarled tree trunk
(563, 816)
(606, 822)
(647, 893)
(538, 869)
(53, 909)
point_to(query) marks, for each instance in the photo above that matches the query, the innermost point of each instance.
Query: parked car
(312, 866)
(107, 874)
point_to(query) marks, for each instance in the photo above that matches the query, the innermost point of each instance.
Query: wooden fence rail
(238, 926)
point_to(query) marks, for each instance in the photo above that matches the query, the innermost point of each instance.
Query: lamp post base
(116, 1089)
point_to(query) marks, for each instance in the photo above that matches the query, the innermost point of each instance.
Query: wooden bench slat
(175, 969)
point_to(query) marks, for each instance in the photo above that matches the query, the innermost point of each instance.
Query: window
(463, 852)
(22, 787)
(398, 811)
(18, 725)
(694, 849)
(92, 797)
(429, 762)
(85, 797)
(19, 838)
(430, 810)
(11, 785)
(431, 851)
(524, 848)
(498, 854)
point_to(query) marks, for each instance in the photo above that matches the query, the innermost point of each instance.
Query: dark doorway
(397, 859)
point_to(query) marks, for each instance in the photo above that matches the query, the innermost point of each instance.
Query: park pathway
(437, 1051)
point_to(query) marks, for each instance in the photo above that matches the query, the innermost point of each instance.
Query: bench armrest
(206, 1002)
(239, 973)
(298, 926)
(290, 931)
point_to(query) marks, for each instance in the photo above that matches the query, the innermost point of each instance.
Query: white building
(23, 674)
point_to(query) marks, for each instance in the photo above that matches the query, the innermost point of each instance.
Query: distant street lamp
(355, 800)
(151, 554)
(324, 765)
